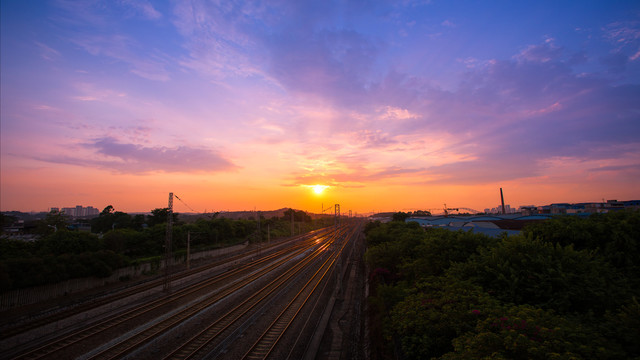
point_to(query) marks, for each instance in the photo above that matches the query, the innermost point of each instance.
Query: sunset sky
(393, 106)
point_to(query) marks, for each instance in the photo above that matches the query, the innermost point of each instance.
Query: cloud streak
(137, 159)
(347, 94)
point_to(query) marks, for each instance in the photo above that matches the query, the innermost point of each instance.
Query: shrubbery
(23, 272)
(120, 240)
(550, 293)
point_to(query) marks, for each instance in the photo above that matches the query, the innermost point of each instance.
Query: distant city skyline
(77, 211)
(373, 105)
(81, 210)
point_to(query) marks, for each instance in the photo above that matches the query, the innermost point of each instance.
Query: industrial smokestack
(502, 200)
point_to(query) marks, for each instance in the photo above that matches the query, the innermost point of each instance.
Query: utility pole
(259, 236)
(339, 258)
(168, 253)
(188, 250)
(259, 229)
(292, 233)
(501, 199)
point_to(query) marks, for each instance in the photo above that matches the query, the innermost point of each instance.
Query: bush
(526, 332)
(440, 249)
(614, 236)
(441, 310)
(448, 295)
(524, 271)
(68, 242)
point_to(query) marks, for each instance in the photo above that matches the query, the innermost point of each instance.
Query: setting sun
(116, 115)
(318, 189)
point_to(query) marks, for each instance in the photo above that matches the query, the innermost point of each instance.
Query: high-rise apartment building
(80, 211)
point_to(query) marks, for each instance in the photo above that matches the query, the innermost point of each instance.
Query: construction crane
(472, 211)
(446, 209)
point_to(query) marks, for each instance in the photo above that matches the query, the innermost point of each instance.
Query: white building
(80, 211)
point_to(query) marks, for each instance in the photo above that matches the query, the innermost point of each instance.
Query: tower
(168, 253)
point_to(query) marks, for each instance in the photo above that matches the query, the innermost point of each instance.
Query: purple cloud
(123, 48)
(374, 139)
(136, 159)
(519, 112)
(509, 112)
(616, 62)
(143, 8)
(330, 62)
(540, 53)
(509, 116)
(631, 168)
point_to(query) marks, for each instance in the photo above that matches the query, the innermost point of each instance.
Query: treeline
(118, 239)
(567, 288)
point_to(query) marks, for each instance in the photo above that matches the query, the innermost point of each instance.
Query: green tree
(391, 244)
(394, 231)
(11, 248)
(439, 249)
(116, 240)
(614, 236)
(439, 311)
(370, 226)
(107, 210)
(298, 216)
(527, 332)
(68, 242)
(7, 220)
(526, 271)
(55, 220)
(138, 222)
(400, 216)
(160, 216)
(454, 295)
(110, 219)
(623, 326)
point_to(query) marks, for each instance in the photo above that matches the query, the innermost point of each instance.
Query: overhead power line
(185, 204)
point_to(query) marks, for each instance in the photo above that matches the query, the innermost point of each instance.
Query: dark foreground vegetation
(566, 289)
(118, 239)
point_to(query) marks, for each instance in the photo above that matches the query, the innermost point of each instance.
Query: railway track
(40, 321)
(289, 280)
(59, 344)
(264, 347)
(211, 341)
(136, 342)
(204, 342)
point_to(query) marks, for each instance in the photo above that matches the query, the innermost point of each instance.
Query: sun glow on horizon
(266, 122)
(318, 189)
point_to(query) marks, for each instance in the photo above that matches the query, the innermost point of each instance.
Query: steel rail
(67, 340)
(95, 303)
(207, 336)
(302, 342)
(275, 331)
(126, 346)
